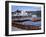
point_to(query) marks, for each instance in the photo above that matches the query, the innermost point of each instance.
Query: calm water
(29, 22)
(32, 23)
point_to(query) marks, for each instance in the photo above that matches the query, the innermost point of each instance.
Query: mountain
(38, 13)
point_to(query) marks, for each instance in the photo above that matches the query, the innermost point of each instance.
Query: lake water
(28, 21)
(32, 23)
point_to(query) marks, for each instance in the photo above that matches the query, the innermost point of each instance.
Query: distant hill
(38, 13)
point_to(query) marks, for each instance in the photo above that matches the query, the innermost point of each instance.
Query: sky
(25, 8)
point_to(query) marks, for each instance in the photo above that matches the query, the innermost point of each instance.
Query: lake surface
(28, 21)
(32, 23)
